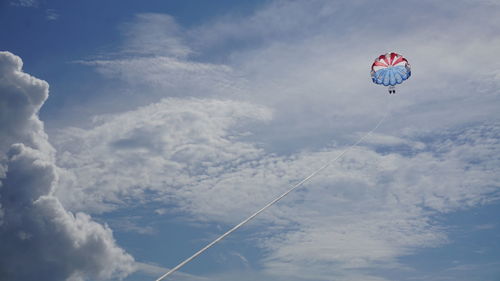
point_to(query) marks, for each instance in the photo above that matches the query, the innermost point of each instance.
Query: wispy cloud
(154, 35)
(223, 136)
(51, 14)
(154, 270)
(378, 206)
(487, 226)
(24, 3)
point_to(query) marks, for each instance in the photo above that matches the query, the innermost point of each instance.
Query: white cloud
(174, 77)
(154, 34)
(487, 226)
(22, 97)
(24, 3)
(51, 14)
(435, 154)
(130, 224)
(161, 211)
(313, 71)
(40, 239)
(154, 271)
(378, 206)
(159, 148)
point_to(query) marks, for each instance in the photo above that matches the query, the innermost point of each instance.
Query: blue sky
(135, 132)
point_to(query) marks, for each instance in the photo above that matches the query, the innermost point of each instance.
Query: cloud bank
(228, 114)
(40, 239)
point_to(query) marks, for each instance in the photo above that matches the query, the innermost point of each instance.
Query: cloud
(40, 239)
(487, 226)
(312, 71)
(363, 212)
(22, 97)
(169, 75)
(131, 224)
(154, 34)
(215, 153)
(24, 3)
(51, 14)
(159, 147)
(154, 271)
(374, 208)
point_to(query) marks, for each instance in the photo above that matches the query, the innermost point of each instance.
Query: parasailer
(389, 70)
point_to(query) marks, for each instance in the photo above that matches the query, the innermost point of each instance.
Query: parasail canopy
(390, 69)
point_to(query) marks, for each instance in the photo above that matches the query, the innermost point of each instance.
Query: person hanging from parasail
(389, 70)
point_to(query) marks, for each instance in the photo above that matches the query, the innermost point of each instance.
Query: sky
(133, 133)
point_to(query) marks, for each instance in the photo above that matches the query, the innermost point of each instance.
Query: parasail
(389, 70)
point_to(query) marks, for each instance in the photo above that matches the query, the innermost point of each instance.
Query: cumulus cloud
(22, 97)
(40, 239)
